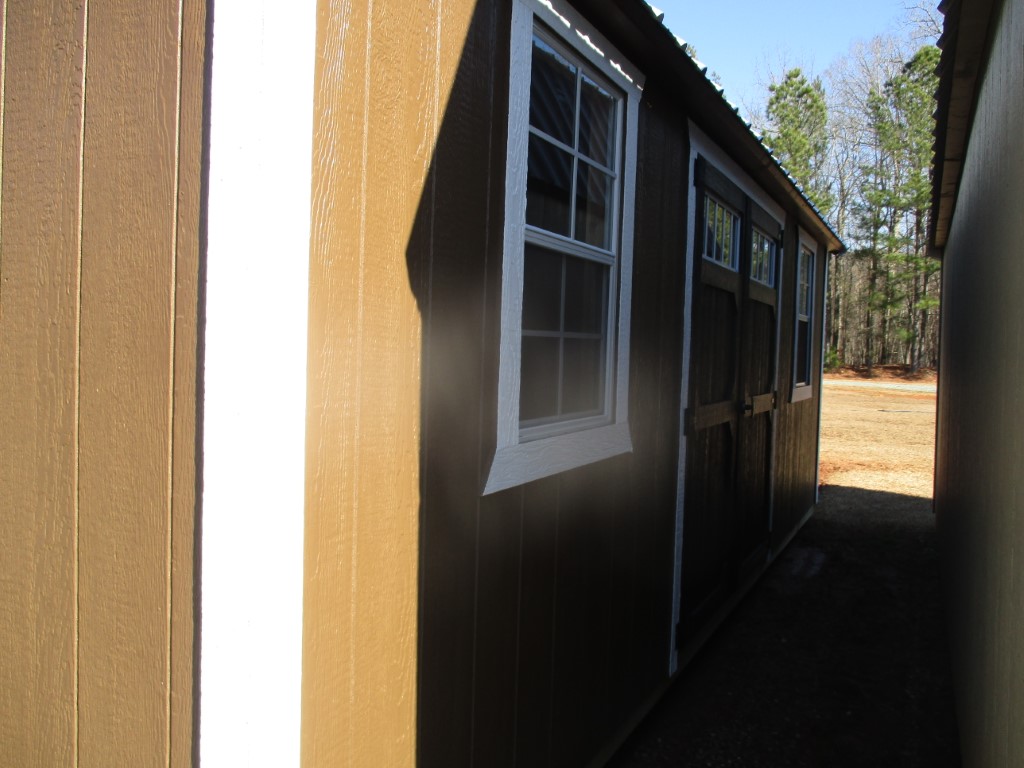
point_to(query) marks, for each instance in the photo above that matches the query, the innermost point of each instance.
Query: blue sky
(744, 40)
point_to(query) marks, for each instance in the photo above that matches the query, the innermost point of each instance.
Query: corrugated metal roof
(965, 33)
(687, 50)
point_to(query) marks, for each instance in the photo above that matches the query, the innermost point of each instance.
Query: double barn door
(730, 419)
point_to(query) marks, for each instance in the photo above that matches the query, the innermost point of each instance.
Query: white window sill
(801, 392)
(522, 463)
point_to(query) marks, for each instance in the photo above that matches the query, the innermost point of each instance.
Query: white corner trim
(684, 399)
(261, 128)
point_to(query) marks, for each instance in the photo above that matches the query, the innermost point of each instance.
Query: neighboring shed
(978, 228)
(509, 337)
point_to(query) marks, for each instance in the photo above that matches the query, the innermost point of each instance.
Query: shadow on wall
(454, 269)
(544, 609)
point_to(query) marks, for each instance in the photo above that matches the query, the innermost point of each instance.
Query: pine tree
(897, 191)
(798, 133)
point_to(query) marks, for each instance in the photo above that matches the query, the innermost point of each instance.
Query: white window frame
(518, 460)
(736, 236)
(804, 390)
(757, 232)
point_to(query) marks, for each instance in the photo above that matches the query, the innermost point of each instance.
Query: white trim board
(261, 128)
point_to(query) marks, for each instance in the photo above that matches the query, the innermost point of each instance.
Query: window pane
(803, 352)
(586, 295)
(593, 205)
(538, 393)
(719, 234)
(552, 92)
(727, 232)
(583, 375)
(709, 228)
(597, 122)
(756, 256)
(548, 186)
(762, 259)
(803, 296)
(542, 290)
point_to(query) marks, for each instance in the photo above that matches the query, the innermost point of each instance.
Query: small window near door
(762, 258)
(802, 352)
(721, 234)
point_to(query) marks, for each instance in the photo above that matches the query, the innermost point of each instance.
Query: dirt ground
(837, 658)
(878, 433)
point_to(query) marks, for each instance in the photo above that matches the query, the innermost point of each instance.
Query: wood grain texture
(98, 304)
(184, 488)
(39, 250)
(126, 378)
(383, 74)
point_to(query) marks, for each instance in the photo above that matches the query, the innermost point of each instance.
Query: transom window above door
(722, 235)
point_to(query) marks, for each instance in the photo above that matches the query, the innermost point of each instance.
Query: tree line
(859, 143)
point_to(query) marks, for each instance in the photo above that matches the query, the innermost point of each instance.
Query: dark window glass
(593, 206)
(572, 169)
(538, 398)
(804, 306)
(803, 352)
(586, 295)
(582, 378)
(597, 122)
(542, 290)
(565, 320)
(552, 92)
(548, 186)
(722, 234)
(762, 258)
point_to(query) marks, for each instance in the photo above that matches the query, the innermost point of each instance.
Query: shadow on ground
(836, 658)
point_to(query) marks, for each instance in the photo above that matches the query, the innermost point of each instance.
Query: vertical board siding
(383, 76)
(545, 609)
(192, 25)
(39, 249)
(102, 109)
(540, 618)
(796, 448)
(125, 375)
(978, 490)
(466, 540)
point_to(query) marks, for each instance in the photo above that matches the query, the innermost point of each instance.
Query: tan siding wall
(102, 117)
(382, 78)
(978, 492)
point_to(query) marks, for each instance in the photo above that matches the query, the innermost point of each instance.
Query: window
(562, 382)
(573, 159)
(804, 312)
(762, 258)
(722, 235)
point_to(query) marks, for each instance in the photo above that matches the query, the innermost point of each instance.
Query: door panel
(730, 426)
